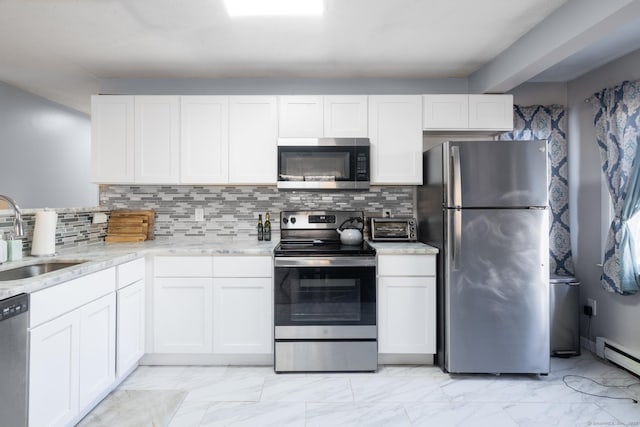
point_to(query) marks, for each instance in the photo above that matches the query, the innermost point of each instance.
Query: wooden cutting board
(130, 226)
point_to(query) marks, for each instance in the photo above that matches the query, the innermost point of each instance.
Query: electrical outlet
(386, 213)
(199, 214)
(592, 303)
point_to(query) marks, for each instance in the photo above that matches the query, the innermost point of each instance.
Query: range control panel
(14, 306)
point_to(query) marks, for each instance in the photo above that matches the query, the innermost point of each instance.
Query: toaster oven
(393, 229)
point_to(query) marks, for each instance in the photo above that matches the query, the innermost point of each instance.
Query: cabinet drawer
(182, 266)
(406, 265)
(130, 272)
(57, 300)
(242, 266)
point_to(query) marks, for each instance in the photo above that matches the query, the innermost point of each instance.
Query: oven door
(325, 298)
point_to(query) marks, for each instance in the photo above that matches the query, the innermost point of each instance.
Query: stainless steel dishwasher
(14, 360)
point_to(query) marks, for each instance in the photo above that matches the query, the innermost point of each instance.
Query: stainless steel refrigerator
(484, 205)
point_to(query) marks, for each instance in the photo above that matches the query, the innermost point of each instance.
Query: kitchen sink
(33, 270)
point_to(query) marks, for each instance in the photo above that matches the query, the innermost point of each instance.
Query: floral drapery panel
(550, 123)
(617, 120)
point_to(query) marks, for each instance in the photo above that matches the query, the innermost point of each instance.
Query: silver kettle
(353, 235)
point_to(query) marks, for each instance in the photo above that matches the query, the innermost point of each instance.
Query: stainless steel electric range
(325, 296)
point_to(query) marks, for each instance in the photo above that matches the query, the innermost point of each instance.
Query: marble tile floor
(394, 396)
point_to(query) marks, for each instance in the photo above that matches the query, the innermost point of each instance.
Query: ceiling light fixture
(274, 7)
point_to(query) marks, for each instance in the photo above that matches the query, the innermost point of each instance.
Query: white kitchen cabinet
(130, 300)
(242, 315)
(112, 139)
(300, 116)
(406, 304)
(97, 348)
(157, 139)
(204, 139)
(182, 310)
(331, 116)
(54, 371)
(494, 112)
(468, 112)
(131, 327)
(395, 132)
(252, 140)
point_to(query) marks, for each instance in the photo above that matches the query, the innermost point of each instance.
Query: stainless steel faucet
(17, 222)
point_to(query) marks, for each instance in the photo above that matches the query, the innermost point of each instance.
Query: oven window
(325, 296)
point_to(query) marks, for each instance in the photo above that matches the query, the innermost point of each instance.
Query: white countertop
(403, 248)
(101, 256)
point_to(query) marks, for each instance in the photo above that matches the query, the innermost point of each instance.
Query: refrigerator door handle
(457, 238)
(456, 186)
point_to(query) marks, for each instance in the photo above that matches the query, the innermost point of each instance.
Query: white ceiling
(63, 49)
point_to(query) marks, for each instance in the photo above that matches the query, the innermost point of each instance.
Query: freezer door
(496, 173)
(497, 291)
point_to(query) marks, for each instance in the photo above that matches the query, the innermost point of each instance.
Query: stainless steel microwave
(393, 229)
(324, 163)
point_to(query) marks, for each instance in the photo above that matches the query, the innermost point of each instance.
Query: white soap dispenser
(14, 248)
(3, 249)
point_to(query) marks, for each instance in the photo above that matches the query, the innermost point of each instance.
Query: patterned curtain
(617, 120)
(550, 123)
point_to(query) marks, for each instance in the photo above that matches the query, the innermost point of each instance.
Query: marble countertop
(403, 248)
(101, 256)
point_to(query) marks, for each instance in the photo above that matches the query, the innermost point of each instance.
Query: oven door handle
(325, 261)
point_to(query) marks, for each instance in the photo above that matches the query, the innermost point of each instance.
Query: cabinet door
(242, 315)
(445, 112)
(407, 315)
(253, 157)
(182, 311)
(345, 116)
(157, 139)
(300, 116)
(493, 112)
(97, 348)
(53, 371)
(204, 141)
(112, 149)
(395, 132)
(131, 315)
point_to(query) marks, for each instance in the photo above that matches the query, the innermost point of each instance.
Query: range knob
(293, 220)
(285, 220)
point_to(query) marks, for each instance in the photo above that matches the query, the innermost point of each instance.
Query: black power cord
(564, 380)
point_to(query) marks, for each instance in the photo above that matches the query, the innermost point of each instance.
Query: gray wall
(44, 152)
(618, 316)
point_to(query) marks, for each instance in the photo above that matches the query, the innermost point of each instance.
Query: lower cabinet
(182, 315)
(54, 371)
(131, 327)
(72, 362)
(406, 304)
(97, 348)
(213, 305)
(242, 315)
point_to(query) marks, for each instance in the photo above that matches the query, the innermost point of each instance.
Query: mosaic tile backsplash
(74, 228)
(232, 212)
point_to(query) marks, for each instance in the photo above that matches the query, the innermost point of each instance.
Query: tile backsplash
(232, 212)
(74, 228)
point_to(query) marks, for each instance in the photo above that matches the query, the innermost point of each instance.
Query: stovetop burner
(313, 233)
(322, 248)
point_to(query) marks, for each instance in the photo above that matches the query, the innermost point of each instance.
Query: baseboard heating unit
(619, 355)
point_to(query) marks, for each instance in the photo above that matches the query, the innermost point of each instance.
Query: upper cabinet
(112, 153)
(157, 139)
(322, 116)
(204, 139)
(395, 133)
(468, 113)
(253, 155)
